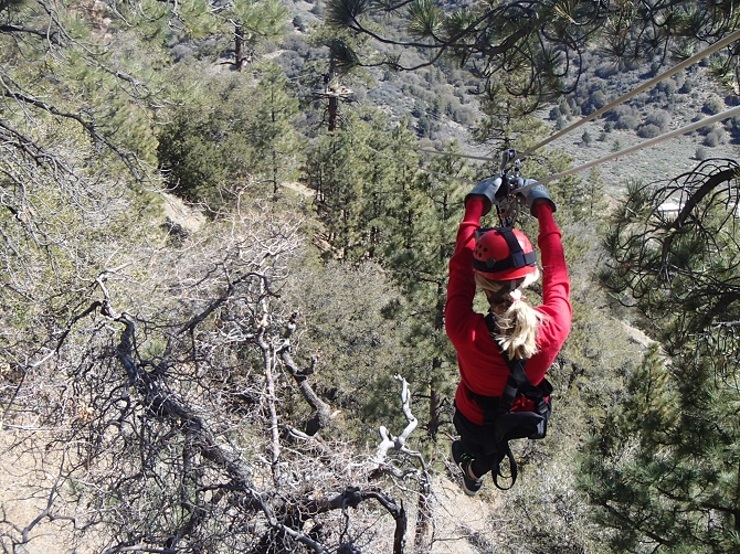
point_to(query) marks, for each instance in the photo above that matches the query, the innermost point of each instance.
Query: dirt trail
(459, 518)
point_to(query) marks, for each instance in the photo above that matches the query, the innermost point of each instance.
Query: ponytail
(517, 330)
(517, 323)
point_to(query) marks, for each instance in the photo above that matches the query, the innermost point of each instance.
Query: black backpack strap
(517, 377)
(517, 380)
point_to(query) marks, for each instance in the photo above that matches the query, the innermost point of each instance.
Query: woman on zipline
(502, 263)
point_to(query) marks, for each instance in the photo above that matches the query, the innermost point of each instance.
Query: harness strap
(517, 380)
(517, 258)
(513, 468)
(506, 424)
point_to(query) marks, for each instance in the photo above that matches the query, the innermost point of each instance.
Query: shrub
(627, 122)
(648, 131)
(669, 88)
(733, 128)
(564, 108)
(713, 105)
(207, 144)
(606, 70)
(624, 117)
(715, 137)
(659, 118)
(596, 101)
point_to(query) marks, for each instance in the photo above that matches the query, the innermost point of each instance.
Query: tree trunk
(333, 112)
(239, 46)
(422, 532)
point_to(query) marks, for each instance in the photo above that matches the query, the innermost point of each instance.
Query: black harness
(507, 425)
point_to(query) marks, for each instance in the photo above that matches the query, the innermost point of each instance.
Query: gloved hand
(487, 189)
(534, 194)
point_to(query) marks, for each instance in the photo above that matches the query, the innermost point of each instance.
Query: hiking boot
(463, 460)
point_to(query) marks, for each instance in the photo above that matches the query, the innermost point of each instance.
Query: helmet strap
(517, 257)
(507, 286)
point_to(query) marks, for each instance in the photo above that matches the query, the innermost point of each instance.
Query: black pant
(479, 442)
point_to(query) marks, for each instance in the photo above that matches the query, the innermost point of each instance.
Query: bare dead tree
(174, 423)
(422, 474)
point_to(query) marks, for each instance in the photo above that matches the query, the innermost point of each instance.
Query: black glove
(534, 193)
(487, 189)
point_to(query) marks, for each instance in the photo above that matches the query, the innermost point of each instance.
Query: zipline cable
(455, 155)
(652, 82)
(652, 142)
(642, 88)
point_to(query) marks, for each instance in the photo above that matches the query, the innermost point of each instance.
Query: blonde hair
(516, 321)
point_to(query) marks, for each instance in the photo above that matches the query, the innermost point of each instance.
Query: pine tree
(377, 204)
(274, 141)
(421, 227)
(334, 170)
(253, 22)
(664, 468)
(527, 50)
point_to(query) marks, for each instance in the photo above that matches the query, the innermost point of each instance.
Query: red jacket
(483, 369)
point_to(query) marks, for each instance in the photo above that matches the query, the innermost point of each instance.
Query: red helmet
(503, 254)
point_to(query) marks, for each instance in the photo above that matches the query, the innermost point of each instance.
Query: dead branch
(424, 516)
(322, 411)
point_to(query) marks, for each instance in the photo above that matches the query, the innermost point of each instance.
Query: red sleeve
(461, 283)
(555, 292)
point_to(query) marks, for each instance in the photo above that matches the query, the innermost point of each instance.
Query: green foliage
(355, 346)
(257, 19)
(507, 118)
(334, 170)
(343, 13)
(73, 83)
(275, 154)
(665, 463)
(356, 172)
(421, 224)
(201, 150)
(526, 52)
(425, 19)
(230, 131)
(375, 203)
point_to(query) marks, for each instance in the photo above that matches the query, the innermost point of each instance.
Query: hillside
(224, 284)
(438, 104)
